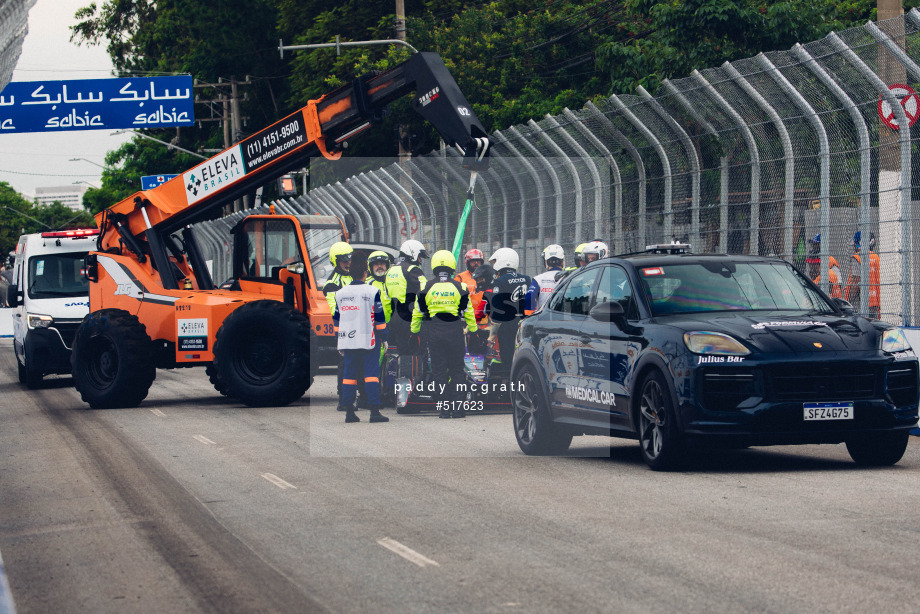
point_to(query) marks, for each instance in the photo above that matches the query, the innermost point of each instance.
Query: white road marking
(157, 412)
(274, 479)
(407, 553)
(204, 440)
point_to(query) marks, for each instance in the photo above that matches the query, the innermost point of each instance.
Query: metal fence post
(502, 161)
(723, 160)
(595, 177)
(541, 195)
(340, 204)
(904, 137)
(662, 154)
(692, 158)
(617, 181)
(567, 161)
(424, 193)
(865, 161)
(557, 189)
(381, 197)
(637, 160)
(788, 154)
(754, 231)
(435, 189)
(825, 158)
(906, 213)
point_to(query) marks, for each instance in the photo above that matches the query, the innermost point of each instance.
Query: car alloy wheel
(534, 429)
(659, 438)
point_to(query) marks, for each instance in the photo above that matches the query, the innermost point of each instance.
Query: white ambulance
(50, 295)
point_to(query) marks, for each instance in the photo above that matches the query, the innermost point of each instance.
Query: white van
(50, 295)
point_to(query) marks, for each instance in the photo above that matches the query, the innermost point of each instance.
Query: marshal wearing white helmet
(595, 250)
(507, 301)
(404, 281)
(543, 284)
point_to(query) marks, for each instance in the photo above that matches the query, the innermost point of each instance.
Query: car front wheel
(534, 428)
(659, 437)
(878, 449)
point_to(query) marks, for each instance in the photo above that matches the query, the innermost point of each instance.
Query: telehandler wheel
(112, 360)
(216, 380)
(262, 354)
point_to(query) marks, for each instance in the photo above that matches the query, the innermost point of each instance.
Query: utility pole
(890, 71)
(403, 131)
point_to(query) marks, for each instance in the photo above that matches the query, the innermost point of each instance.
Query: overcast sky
(35, 159)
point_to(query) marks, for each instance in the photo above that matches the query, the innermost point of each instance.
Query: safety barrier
(756, 156)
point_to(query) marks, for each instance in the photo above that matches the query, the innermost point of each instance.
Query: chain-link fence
(756, 156)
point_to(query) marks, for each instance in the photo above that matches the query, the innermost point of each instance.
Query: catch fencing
(756, 156)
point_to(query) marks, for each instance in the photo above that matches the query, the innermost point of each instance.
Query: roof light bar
(73, 233)
(668, 248)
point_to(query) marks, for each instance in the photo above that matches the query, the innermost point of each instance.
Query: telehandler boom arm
(142, 223)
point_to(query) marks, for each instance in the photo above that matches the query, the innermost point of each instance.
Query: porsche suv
(682, 351)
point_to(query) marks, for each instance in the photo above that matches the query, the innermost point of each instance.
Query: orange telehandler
(153, 303)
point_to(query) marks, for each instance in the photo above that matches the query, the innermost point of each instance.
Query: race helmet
(504, 258)
(473, 254)
(598, 248)
(580, 254)
(413, 250)
(484, 276)
(340, 252)
(554, 255)
(375, 257)
(443, 259)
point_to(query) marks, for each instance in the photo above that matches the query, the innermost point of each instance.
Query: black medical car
(685, 351)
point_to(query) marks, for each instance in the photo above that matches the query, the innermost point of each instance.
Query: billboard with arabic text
(96, 104)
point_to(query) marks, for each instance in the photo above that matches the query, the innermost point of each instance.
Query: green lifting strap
(461, 227)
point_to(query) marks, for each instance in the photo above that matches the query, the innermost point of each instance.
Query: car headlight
(37, 320)
(714, 343)
(893, 340)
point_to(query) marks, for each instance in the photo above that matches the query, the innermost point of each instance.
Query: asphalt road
(193, 503)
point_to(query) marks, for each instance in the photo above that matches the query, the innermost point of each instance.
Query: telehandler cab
(153, 303)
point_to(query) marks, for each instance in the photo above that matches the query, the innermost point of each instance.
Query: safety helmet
(474, 254)
(504, 258)
(596, 247)
(580, 254)
(340, 250)
(554, 255)
(413, 250)
(484, 275)
(443, 259)
(375, 257)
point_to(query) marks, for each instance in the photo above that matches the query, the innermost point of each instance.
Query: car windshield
(57, 275)
(319, 241)
(729, 286)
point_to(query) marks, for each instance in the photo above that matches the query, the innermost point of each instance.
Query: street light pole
(85, 160)
(169, 145)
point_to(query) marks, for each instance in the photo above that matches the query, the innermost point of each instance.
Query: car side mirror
(843, 306)
(609, 311)
(12, 295)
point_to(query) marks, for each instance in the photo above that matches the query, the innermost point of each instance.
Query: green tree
(125, 166)
(18, 216)
(14, 218)
(237, 39)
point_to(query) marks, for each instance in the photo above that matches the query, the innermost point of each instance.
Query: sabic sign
(96, 104)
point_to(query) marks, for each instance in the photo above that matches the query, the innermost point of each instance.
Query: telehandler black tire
(262, 354)
(216, 380)
(112, 360)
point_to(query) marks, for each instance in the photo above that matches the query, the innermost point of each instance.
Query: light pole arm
(338, 45)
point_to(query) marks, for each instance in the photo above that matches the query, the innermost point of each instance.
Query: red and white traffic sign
(909, 101)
